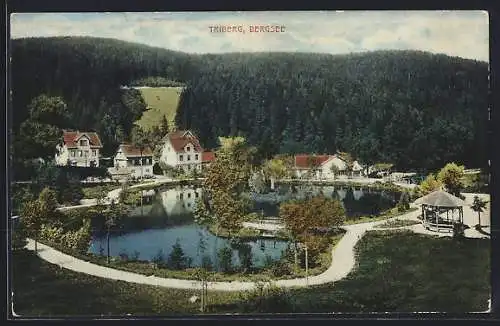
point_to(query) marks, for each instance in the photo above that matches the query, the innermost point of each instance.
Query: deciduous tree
(451, 176)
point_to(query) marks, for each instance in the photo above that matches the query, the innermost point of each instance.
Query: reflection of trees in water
(368, 204)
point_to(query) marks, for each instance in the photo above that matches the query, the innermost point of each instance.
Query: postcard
(193, 163)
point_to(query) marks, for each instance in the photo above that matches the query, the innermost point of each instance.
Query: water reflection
(165, 215)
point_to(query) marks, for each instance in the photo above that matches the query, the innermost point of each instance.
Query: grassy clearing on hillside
(160, 101)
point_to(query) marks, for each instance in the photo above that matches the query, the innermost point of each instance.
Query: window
(80, 153)
(86, 153)
(181, 196)
(189, 157)
(147, 170)
(189, 167)
(181, 157)
(83, 142)
(73, 153)
(196, 194)
(189, 195)
(189, 204)
(94, 152)
(196, 157)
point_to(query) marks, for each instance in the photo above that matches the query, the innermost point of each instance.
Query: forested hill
(410, 108)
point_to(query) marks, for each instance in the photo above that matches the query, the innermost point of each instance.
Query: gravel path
(343, 259)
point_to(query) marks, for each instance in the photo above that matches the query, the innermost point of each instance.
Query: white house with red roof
(139, 164)
(79, 148)
(182, 150)
(318, 166)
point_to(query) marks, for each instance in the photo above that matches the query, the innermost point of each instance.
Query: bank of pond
(161, 227)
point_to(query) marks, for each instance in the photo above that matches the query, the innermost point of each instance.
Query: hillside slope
(412, 108)
(160, 101)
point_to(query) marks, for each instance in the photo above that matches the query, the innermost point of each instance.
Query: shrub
(123, 255)
(159, 259)
(206, 263)
(18, 239)
(225, 256)
(177, 259)
(404, 202)
(135, 256)
(281, 268)
(245, 255)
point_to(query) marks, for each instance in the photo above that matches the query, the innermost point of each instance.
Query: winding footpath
(343, 259)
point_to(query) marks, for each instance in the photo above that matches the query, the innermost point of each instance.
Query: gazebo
(434, 207)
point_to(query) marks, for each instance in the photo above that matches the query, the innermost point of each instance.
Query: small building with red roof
(319, 166)
(79, 148)
(138, 162)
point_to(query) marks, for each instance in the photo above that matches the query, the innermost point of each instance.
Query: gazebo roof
(440, 198)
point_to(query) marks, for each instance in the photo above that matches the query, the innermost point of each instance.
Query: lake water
(166, 217)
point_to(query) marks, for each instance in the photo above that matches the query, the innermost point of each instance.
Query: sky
(456, 33)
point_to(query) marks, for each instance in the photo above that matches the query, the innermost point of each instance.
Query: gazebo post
(423, 216)
(436, 214)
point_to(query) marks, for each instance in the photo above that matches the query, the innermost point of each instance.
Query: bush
(157, 169)
(206, 263)
(18, 239)
(225, 256)
(404, 202)
(245, 255)
(123, 255)
(281, 268)
(177, 259)
(159, 259)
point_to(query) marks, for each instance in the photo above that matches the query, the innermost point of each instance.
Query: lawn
(43, 289)
(160, 101)
(398, 271)
(90, 192)
(393, 212)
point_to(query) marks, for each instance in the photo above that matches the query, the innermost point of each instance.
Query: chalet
(182, 150)
(79, 148)
(318, 166)
(139, 164)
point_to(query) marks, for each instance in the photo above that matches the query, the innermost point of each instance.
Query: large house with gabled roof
(79, 148)
(181, 149)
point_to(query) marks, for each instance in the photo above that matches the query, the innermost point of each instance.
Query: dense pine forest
(410, 108)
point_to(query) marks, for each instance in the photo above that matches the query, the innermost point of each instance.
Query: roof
(207, 157)
(180, 138)
(304, 161)
(130, 150)
(440, 198)
(71, 138)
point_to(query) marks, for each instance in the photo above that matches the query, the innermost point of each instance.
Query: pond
(166, 217)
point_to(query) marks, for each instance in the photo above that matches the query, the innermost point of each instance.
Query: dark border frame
(161, 5)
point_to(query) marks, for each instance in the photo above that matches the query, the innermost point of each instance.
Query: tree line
(413, 109)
